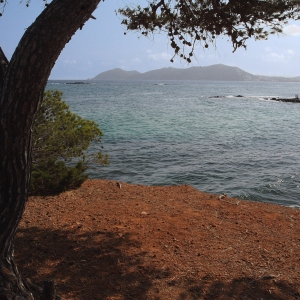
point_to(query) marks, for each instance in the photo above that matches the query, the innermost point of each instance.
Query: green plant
(60, 141)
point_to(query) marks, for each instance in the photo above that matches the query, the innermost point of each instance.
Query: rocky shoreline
(291, 100)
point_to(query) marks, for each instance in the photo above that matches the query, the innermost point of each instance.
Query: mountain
(116, 74)
(214, 72)
(217, 72)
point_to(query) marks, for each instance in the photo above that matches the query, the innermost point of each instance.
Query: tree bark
(21, 91)
(3, 67)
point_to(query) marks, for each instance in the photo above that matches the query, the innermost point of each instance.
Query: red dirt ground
(143, 242)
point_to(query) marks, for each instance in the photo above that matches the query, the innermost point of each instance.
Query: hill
(218, 72)
(116, 74)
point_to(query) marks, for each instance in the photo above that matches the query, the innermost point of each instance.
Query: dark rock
(292, 100)
(77, 82)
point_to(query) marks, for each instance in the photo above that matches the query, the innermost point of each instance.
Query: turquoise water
(173, 133)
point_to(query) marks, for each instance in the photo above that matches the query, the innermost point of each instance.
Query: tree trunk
(22, 85)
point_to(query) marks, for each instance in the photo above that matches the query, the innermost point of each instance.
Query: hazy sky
(102, 46)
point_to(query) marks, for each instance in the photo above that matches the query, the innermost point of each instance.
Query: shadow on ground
(92, 266)
(241, 288)
(109, 265)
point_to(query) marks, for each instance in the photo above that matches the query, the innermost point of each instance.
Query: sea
(217, 136)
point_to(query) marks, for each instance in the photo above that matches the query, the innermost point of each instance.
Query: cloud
(136, 60)
(159, 56)
(70, 62)
(268, 49)
(272, 56)
(275, 56)
(292, 29)
(290, 52)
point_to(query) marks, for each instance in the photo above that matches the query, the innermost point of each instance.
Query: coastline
(168, 242)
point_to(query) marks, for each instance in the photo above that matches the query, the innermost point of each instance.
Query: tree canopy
(192, 22)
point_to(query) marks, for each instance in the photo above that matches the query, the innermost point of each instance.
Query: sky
(101, 45)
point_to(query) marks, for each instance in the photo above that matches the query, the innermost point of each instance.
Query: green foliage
(51, 177)
(193, 22)
(60, 141)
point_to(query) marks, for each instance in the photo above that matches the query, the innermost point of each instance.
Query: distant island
(218, 72)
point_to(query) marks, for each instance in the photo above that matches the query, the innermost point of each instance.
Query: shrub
(60, 141)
